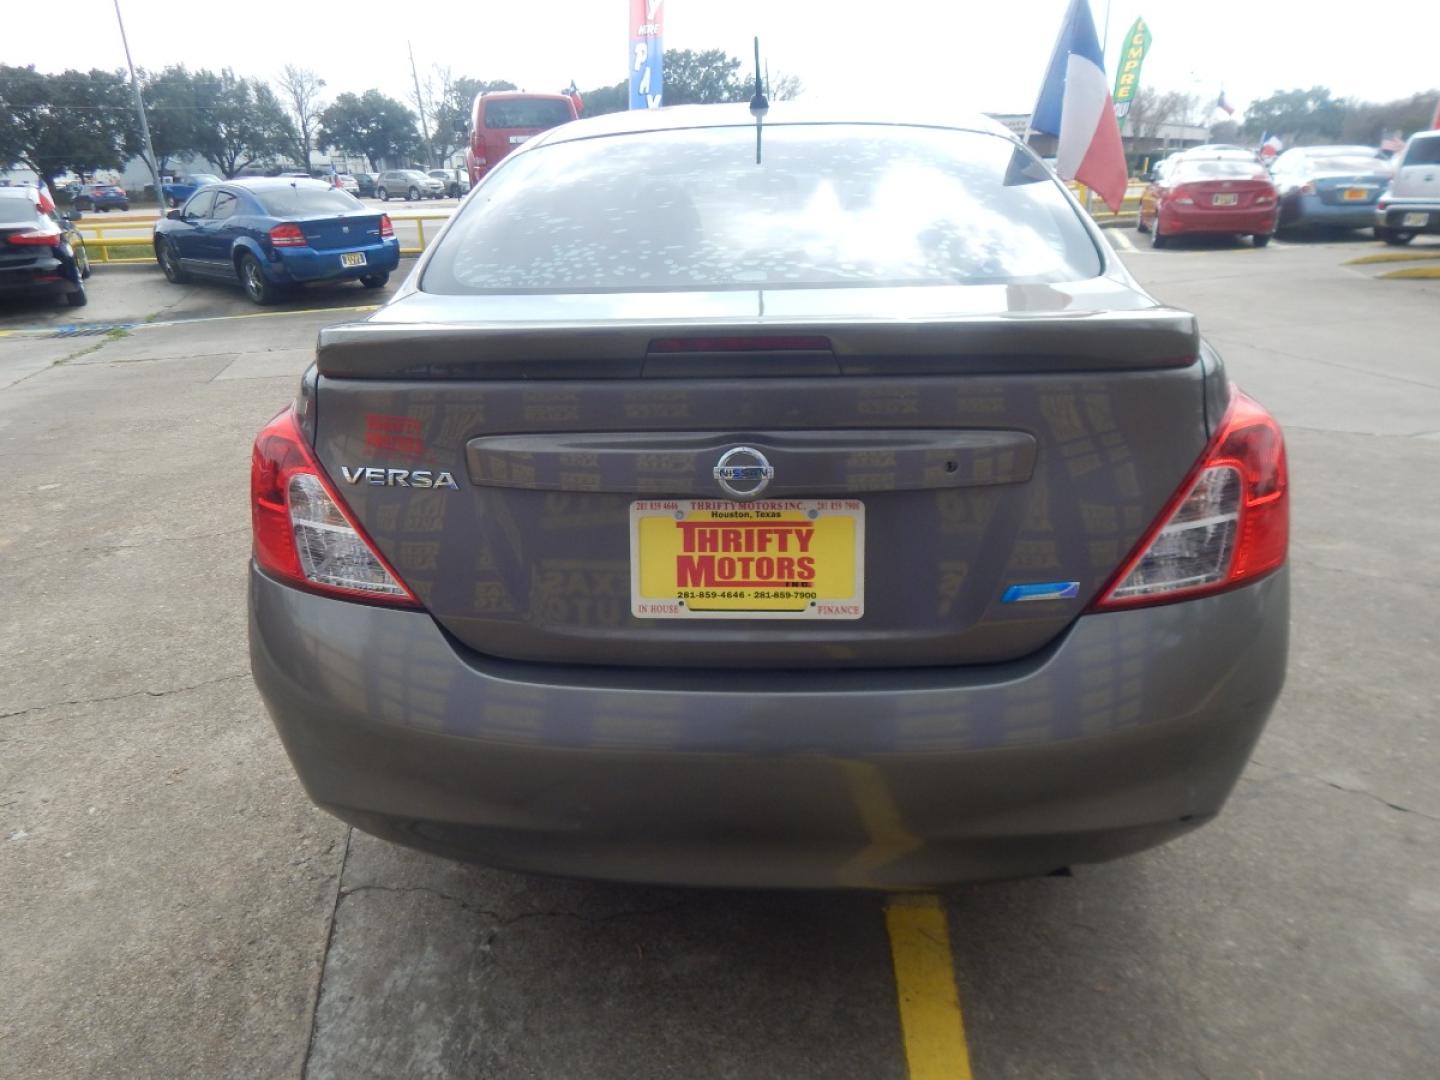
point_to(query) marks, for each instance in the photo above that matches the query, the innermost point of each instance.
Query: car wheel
(170, 263)
(77, 298)
(374, 281)
(83, 258)
(1395, 237)
(1156, 240)
(1260, 239)
(413, 194)
(257, 285)
(382, 194)
(1140, 226)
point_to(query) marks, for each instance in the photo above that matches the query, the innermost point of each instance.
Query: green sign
(1127, 78)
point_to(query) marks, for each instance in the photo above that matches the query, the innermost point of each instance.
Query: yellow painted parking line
(1396, 256)
(930, 1020)
(1413, 273)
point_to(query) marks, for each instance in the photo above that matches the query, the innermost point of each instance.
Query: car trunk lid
(998, 460)
(330, 233)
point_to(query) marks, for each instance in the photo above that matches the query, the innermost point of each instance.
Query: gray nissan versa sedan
(845, 518)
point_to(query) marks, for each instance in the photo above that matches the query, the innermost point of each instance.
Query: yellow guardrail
(132, 248)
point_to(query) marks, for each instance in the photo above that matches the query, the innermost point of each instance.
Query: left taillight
(287, 235)
(303, 534)
(1226, 525)
(35, 238)
(387, 230)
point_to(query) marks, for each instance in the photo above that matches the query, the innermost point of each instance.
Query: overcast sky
(983, 57)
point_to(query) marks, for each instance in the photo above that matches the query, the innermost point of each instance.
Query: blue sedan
(271, 234)
(1329, 186)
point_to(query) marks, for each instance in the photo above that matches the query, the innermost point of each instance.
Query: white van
(1412, 204)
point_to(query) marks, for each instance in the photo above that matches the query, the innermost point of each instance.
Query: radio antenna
(759, 106)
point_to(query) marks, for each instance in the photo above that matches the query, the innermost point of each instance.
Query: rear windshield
(1352, 163)
(523, 113)
(1424, 152)
(18, 209)
(301, 201)
(1221, 170)
(830, 205)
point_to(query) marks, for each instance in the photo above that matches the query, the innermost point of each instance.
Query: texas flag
(1075, 105)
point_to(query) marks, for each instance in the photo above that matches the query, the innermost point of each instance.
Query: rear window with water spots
(830, 205)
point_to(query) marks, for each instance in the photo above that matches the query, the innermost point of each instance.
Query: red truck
(503, 119)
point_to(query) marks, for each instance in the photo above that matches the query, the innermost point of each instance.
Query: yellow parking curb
(1414, 273)
(1395, 256)
(930, 1019)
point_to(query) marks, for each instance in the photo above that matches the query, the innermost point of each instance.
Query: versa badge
(416, 478)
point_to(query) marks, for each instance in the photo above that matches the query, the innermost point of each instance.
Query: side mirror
(173, 215)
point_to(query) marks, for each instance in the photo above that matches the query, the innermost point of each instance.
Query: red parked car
(1225, 193)
(503, 119)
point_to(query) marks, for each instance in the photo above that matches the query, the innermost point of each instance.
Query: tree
(1152, 110)
(240, 121)
(173, 114)
(784, 88)
(373, 125)
(607, 99)
(693, 78)
(702, 78)
(76, 121)
(448, 101)
(1224, 131)
(300, 90)
(1369, 122)
(1298, 116)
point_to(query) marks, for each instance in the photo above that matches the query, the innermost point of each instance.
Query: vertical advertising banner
(647, 30)
(1127, 72)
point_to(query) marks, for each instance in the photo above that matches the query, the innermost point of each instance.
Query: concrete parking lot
(173, 905)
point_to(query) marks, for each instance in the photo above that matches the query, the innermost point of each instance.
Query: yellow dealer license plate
(1355, 194)
(766, 559)
(352, 258)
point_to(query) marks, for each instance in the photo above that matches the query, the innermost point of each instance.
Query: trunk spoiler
(1063, 342)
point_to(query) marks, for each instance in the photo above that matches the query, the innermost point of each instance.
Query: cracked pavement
(174, 906)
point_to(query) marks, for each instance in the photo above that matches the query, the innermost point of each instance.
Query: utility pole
(420, 104)
(140, 108)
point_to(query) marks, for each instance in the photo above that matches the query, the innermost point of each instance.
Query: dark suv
(40, 250)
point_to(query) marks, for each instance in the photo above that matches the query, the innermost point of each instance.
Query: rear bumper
(1191, 221)
(1393, 216)
(308, 264)
(48, 275)
(1310, 210)
(1129, 730)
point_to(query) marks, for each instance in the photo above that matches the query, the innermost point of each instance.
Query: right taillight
(302, 533)
(1229, 522)
(387, 228)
